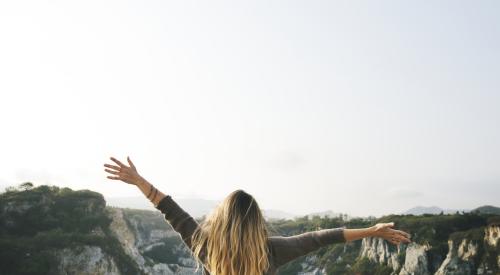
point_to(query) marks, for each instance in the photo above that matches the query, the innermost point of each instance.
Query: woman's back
(280, 249)
(235, 235)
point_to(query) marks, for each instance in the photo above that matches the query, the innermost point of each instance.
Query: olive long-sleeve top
(282, 249)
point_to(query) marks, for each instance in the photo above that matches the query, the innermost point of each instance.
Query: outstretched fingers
(394, 236)
(404, 239)
(112, 171)
(117, 162)
(406, 234)
(403, 235)
(391, 238)
(400, 236)
(117, 168)
(130, 163)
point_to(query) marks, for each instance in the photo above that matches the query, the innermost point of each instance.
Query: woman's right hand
(123, 172)
(384, 230)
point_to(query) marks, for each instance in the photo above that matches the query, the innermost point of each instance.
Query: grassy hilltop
(35, 222)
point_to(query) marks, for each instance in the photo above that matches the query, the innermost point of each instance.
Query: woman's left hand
(385, 231)
(123, 172)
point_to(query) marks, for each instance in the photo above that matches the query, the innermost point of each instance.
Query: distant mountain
(420, 210)
(129, 202)
(435, 210)
(277, 214)
(488, 209)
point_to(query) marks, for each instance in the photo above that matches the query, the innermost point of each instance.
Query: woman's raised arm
(130, 175)
(179, 219)
(289, 248)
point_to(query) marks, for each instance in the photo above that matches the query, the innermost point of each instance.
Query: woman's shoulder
(274, 244)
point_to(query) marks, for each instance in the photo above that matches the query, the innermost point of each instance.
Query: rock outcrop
(492, 235)
(84, 260)
(379, 251)
(138, 235)
(61, 231)
(459, 259)
(413, 254)
(416, 260)
(473, 255)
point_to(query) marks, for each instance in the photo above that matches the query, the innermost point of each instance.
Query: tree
(26, 186)
(10, 189)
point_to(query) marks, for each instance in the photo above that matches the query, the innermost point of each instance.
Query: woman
(233, 239)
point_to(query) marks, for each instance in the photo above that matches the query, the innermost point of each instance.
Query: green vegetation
(48, 207)
(163, 253)
(35, 222)
(488, 209)
(434, 230)
(364, 266)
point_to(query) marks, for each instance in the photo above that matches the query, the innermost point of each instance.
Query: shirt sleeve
(179, 219)
(289, 248)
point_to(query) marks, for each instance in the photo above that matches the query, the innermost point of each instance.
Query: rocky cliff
(51, 230)
(475, 251)
(155, 247)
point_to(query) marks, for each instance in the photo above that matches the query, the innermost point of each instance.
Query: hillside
(488, 209)
(443, 244)
(51, 230)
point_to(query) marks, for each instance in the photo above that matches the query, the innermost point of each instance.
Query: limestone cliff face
(459, 259)
(139, 232)
(416, 260)
(473, 256)
(310, 266)
(61, 231)
(492, 239)
(125, 236)
(467, 255)
(492, 235)
(470, 254)
(84, 260)
(379, 251)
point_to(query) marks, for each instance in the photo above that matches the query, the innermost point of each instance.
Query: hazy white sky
(364, 108)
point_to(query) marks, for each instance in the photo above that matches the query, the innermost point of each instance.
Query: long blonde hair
(232, 240)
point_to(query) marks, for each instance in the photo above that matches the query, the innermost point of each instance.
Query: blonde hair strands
(233, 238)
